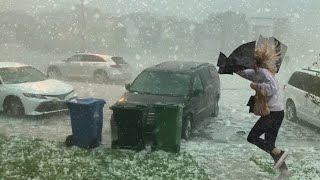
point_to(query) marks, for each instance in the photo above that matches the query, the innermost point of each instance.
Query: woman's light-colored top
(267, 82)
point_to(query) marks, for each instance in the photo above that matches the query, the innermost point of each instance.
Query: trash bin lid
(128, 106)
(86, 101)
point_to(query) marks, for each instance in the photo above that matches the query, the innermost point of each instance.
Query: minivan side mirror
(127, 86)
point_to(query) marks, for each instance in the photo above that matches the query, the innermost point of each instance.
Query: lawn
(23, 158)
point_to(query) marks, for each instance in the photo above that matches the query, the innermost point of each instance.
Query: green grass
(22, 158)
(264, 165)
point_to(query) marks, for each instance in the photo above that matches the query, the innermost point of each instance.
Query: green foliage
(38, 159)
(264, 166)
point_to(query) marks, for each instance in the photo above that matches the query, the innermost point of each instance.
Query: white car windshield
(16, 75)
(162, 83)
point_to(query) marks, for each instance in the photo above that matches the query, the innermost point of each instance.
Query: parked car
(302, 96)
(100, 68)
(193, 84)
(24, 90)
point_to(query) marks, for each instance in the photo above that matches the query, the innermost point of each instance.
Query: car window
(305, 82)
(92, 58)
(314, 85)
(74, 58)
(15, 75)
(162, 83)
(297, 79)
(197, 83)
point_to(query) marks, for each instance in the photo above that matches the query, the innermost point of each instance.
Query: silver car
(100, 68)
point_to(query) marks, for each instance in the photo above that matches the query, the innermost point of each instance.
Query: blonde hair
(266, 56)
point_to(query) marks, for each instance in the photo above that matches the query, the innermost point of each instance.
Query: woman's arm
(270, 84)
(247, 74)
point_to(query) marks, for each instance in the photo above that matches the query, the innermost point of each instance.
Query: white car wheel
(14, 107)
(100, 77)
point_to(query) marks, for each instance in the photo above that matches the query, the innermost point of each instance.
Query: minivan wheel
(291, 112)
(187, 128)
(13, 107)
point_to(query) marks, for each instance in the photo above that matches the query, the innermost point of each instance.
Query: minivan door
(299, 92)
(313, 100)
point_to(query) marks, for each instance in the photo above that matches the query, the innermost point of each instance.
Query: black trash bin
(168, 125)
(86, 122)
(127, 122)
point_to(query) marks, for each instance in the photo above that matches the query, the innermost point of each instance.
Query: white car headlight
(38, 96)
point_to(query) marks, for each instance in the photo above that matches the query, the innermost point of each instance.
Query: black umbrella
(242, 57)
(224, 65)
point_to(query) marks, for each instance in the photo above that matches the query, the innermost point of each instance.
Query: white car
(302, 96)
(99, 67)
(25, 90)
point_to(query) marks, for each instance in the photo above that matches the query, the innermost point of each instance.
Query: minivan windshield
(16, 75)
(162, 83)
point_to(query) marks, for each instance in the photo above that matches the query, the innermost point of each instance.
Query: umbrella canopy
(224, 65)
(243, 56)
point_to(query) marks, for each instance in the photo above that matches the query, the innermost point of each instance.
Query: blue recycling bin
(86, 122)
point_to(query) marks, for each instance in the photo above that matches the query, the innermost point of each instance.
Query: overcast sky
(195, 9)
(303, 14)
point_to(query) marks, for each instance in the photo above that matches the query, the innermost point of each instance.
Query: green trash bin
(128, 124)
(168, 125)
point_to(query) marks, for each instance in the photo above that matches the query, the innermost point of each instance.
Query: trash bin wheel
(140, 145)
(114, 144)
(177, 148)
(69, 141)
(153, 148)
(94, 143)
